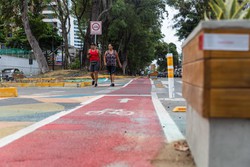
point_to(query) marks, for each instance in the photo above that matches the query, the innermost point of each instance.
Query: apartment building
(73, 36)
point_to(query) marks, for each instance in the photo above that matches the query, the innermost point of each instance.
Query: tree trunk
(63, 12)
(66, 46)
(88, 38)
(41, 60)
(95, 9)
(124, 66)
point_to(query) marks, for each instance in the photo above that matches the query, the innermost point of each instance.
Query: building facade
(50, 17)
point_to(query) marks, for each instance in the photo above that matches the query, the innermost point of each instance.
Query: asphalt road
(161, 88)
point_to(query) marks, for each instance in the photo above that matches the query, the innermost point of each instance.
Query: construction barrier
(8, 92)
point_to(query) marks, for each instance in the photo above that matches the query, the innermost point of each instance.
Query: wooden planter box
(216, 69)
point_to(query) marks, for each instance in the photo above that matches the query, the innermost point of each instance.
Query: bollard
(170, 64)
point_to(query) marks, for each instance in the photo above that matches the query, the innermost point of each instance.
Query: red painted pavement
(138, 86)
(126, 135)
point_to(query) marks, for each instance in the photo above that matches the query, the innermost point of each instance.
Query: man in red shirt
(94, 58)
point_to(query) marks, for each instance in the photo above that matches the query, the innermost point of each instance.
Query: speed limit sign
(96, 28)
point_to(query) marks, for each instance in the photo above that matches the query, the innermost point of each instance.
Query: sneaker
(112, 85)
(96, 85)
(93, 82)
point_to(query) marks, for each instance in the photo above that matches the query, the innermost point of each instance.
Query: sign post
(170, 63)
(96, 28)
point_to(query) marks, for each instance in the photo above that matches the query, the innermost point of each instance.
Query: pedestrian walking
(94, 58)
(110, 58)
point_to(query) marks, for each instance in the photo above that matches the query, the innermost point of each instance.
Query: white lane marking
(11, 138)
(104, 91)
(106, 79)
(175, 99)
(152, 83)
(108, 85)
(179, 82)
(164, 82)
(170, 129)
(57, 91)
(124, 100)
(178, 93)
(110, 111)
(128, 95)
(128, 83)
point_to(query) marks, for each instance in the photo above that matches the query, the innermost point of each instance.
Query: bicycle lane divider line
(128, 83)
(17, 135)
(170, 128)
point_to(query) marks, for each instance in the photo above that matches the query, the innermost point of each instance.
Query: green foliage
(13, 34)
(191, 12)
(75, 65)
(134, 29)
(162, 48)
(44, 33)
(229, 9)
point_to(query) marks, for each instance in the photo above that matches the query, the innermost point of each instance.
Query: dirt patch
(63, 73)
(67, 73)
(170, 157)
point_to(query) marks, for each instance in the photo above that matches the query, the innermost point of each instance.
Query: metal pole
(95, 38)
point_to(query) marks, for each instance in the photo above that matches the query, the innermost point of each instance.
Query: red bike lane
(113, 131)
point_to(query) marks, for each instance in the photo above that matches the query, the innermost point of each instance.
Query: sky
(168, 31)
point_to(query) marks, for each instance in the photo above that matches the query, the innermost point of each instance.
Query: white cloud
(168, 31)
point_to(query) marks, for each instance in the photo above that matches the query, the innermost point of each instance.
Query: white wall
(20, 63)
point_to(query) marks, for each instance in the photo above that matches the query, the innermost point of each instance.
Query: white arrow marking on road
(125, 100)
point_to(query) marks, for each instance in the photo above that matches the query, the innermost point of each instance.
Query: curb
(49, 84)
(8, 92)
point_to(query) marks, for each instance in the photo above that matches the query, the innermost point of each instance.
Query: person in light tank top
(94, 59)
(110, 58)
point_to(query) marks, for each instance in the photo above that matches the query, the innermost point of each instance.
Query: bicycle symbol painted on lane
(108, 111)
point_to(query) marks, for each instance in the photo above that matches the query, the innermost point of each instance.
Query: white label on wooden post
(226, 42)
(170, 64)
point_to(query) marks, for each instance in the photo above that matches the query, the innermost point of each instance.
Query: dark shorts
(94, 66)
(111, 69)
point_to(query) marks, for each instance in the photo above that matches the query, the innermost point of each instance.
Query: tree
(41, 60)
(80, 9)
(62, 11)
(190, 13)
(134, 29)
(13, 19)
(43, 32)
(162, 49)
